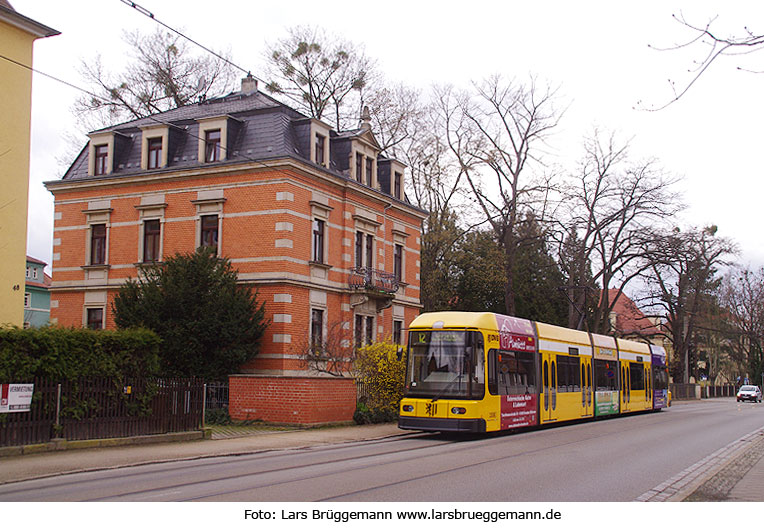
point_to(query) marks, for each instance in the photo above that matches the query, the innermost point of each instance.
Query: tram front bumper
(456, 425)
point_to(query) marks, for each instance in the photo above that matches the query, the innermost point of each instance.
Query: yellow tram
(481, 372)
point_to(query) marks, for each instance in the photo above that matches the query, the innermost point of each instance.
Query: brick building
(316, 219)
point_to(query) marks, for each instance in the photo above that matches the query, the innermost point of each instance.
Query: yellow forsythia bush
(382, 374)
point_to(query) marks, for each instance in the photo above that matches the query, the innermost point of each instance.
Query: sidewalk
(733, 473)
(32, 466)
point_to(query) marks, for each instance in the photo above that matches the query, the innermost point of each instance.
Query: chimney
(248, 84)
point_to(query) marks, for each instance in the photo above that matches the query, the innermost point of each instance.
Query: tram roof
(558, 333)
(484, 320)
(625, 345)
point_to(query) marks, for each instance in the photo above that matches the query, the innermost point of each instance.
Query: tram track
(417, 450)
(411, 453)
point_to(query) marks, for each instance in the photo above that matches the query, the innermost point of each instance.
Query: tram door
(549, 389)
(625, 387)
(587, 394)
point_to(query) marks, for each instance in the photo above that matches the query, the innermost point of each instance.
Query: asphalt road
(609, 460)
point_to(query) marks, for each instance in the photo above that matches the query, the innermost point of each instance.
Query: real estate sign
(16, 397)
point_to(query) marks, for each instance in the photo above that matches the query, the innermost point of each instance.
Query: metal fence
(694, 391)
(105, 408)
(718, 391)
(217, 396)
(362, 391)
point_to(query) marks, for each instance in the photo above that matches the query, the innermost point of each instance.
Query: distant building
(316, 219)
(36, 294)
(629, 322)
(17, 36)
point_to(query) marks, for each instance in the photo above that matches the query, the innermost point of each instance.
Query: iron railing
(373, 280)
(105, 408)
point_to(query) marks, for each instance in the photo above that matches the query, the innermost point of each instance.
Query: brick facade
(292, 399)
(263, 214)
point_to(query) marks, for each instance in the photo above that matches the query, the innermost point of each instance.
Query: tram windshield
(445, 364)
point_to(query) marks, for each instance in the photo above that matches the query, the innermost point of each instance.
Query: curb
(60, 444)
(682, 485)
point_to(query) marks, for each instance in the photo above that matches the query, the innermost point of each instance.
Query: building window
(318, 241)
(209, 232)
(28, 272)
(369, 251)
(364, 330)
(359, 249)
(398, 182)
(369, 329)
(358, 331)
(369, 164)
(34, 273)
(397, 332)
(398, 262)
(359, 167)
(27, 300)
(101, 159)
(97, 244)
(212, 145)
(316, 329)
(155, 153)
(151, 233)
(95, 318)
(364, 250)
(320, 140)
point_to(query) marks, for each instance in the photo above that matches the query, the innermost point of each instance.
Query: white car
(749, 392)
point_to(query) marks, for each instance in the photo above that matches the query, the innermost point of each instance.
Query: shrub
(72, 353)
(217, 417)
(209, 324)
(377, 365)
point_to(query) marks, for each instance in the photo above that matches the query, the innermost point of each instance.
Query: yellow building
(17, 35)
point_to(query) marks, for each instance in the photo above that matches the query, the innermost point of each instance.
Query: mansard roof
(263, 129)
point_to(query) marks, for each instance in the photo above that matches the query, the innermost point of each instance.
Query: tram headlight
(407, 408)
(458, 410)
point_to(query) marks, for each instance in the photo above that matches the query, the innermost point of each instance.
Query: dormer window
(155, 153)
(320, 145)
(212, 140)
(397, 185)
(369, 170)
(101, 160)
(359, 167)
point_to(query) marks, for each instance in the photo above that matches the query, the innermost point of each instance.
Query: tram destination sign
(16, 397)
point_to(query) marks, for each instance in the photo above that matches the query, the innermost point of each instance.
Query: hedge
(73, 353)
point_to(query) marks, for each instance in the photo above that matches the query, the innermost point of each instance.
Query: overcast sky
(596, 52)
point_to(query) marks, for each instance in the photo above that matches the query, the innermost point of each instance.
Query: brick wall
(291, 399)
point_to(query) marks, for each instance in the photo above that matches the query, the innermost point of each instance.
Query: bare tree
(434, 185)
(496, 136)
(162, 74)
(399, 119)
(318, 73)
(742, 299)
(683, 266)
(711, 47)
(614, 209)
(331, 354)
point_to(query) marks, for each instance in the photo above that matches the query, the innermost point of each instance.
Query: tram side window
(568, 374)
(512, 372)
(605, 375)
(661, 379)
(637, 372)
